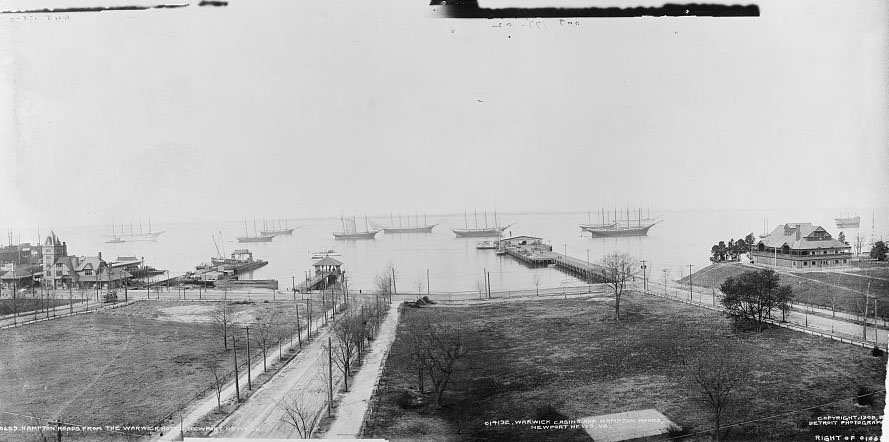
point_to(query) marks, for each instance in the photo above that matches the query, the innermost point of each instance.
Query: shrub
(876, 351)
(408, 399)
(865, 397)
(678, 432)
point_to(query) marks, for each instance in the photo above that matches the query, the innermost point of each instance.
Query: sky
(270, 108)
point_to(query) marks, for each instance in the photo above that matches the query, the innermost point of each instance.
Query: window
(88, 272)
(805, 263)
(836, 261)
(844, 261)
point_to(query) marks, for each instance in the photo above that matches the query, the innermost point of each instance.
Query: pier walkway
(536, 257)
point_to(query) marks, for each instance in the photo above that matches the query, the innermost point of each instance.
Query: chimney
(797, 232)
(100, 253)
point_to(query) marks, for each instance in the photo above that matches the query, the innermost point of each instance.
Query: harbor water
(683, 238)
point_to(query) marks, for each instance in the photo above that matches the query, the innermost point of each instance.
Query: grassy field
(816, 288)
(570, 359)
(129, 366)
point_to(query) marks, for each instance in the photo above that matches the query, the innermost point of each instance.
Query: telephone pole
(644, 277)
(666, 292)
(329, 376)
(690, 289)
(235, 354)
(249, 376)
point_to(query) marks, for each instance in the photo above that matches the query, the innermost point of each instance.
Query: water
(455, 265)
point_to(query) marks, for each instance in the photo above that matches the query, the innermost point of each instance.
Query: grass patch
(128, 366)
(570, 358)
(815, 288)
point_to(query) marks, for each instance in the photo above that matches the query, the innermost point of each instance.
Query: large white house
(801, 246)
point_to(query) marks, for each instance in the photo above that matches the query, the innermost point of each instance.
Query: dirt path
(261, 416)
(207, 404)
(353, 405)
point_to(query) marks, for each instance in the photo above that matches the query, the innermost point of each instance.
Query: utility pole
(299, 332)
(666, 292)
(427, 282)
(690, 289)
(644, 277)
(309, 313)
(329, 376)
(588, 279)
(235, 354)
(249, 376)
(394, 289)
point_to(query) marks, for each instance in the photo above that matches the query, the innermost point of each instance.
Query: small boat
(115, 240)
(848, 223)
(324, 253)
(486, 245)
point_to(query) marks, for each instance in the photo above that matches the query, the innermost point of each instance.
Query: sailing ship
(115, 238)
(133, 234)
(351, 232)
(625, 227)
(487, 245)
(273, 228)
(408, 228)
(256, 237)
(848, 223)
(603, 225)
(467, 232)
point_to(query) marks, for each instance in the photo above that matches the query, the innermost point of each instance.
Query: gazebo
(327, 265)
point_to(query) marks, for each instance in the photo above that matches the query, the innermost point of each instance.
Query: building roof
(93, 261)
(327, 261)
(18, 273)
(801, 236)
(520, 237)
(52, 240)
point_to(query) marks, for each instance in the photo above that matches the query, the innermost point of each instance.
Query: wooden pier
(579, 268)
(535, 257)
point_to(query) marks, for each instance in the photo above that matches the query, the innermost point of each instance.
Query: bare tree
(383, 284)
(281, 332)
(859, 244)
(415, 332)
(719, 376)
(344, 347)
(222, 318)
(264, 338)
(300, 414)
(617, 270)
(218, 379)
(444, 345)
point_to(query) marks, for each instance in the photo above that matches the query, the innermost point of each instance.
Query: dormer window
(88, 272)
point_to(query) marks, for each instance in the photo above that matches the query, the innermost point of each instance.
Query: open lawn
(569, 359)
(129, 366)
(816, 288)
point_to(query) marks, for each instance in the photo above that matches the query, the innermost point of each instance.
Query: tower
(52, 250)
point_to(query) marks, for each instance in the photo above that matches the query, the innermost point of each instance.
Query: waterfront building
(800, 246)
(63, 271)
(522, 240)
